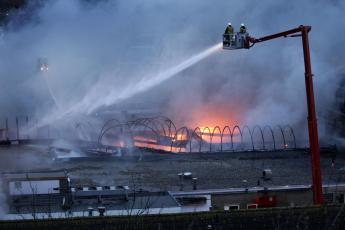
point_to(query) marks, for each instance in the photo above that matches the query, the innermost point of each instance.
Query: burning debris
(154, 133)
(160, 133)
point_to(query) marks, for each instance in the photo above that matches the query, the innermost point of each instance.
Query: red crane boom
(301, 31)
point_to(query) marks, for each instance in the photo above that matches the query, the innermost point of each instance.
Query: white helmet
(242, 24)
(229, 24)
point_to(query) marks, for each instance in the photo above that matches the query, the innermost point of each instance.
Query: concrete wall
(325, 217)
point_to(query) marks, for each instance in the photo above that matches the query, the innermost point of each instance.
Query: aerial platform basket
(236, 40)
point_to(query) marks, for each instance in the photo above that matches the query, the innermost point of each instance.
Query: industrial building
(153, 182)
(41, 195)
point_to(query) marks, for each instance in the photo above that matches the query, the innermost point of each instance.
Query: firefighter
(243, 29)
(229, 29)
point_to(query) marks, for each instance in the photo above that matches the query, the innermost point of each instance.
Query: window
(252, 206)
(229, 207)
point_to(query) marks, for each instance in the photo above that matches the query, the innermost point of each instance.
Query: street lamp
(43, 65)
(242, 40)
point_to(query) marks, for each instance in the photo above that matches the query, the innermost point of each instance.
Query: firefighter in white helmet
(243, 28)
(229, 29)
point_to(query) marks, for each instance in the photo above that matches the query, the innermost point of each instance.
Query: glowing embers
(172, 143)
(165, 148)
(151, 143)
(208, 138)
(152, 133)
(141, 139)
(179, 137)
(216, 134)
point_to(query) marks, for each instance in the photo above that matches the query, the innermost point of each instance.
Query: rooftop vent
(101, 210)
(267, 174)
(187, 175)
(90, 211)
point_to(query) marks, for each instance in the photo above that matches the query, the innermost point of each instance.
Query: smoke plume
(99, 51)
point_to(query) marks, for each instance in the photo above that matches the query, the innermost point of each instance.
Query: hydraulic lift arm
(301, 31)
(291, 33)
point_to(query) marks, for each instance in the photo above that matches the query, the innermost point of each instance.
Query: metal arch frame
(202, 134)
(108, 129)
(150, 122)
(161, 125)
(232, 135)
(143, 123)
(176, 136)
(131, 128)
(134, 124)
(157, 123)
(107, 122)
(145, 126)
(272, 134)
(171, 123)
(162, 121)
(100, 136)
(288, 127)
(282, 133)
(213, 132)
(199, 135)
(147, 123)
(221, 138)
(168, 122)
(250, 133)
(262, 136)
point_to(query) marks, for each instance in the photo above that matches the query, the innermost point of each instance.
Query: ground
(159, 171)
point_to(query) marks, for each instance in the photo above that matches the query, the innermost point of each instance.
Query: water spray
(89, 103)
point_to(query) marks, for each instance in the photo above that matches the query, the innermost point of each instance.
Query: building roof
(43, 175)
(53, 202)
(155, 171)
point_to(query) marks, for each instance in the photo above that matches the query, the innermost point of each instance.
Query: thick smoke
(98, 52)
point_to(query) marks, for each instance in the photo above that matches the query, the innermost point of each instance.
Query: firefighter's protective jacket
(229, 30)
